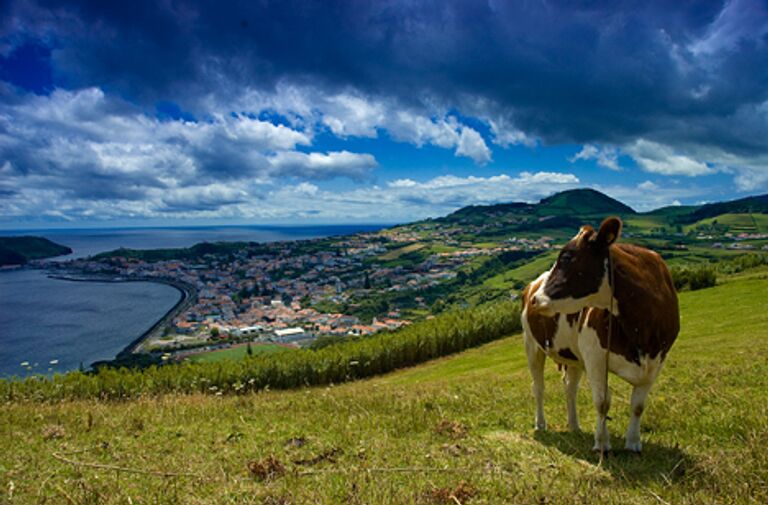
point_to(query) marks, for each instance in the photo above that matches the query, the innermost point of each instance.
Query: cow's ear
(609, 231)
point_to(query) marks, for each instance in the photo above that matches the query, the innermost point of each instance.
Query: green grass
(460, 425)
(523, 274)
(237, 352)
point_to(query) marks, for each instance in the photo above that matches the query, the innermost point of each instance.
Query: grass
(523, 274)
(459, 426)
(236, 352)
(737, 223)
(396, 253)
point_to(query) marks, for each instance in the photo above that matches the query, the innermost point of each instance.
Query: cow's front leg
(632, 438)
(595, 366)
(536, 359)
(572, 378)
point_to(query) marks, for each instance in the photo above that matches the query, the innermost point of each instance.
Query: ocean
(45, 320)
(87, 242)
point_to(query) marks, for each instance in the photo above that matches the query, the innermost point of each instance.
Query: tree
(249, 350)
(215, 331)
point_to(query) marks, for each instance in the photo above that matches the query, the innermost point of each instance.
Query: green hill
(567, 205)
(750, 205)
(457, 429)
(21, 250)
(581, 202)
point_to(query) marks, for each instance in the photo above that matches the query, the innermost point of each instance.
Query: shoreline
(188, 296)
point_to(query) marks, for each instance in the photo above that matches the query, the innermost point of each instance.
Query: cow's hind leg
(632, 438)
(571, 379)
(536, 358)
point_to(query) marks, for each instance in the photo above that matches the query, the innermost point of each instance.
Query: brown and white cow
(571, 303)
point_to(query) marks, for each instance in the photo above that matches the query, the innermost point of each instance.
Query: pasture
(236, 352)
(454, 430)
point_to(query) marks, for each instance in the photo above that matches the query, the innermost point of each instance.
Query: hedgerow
(446, 334)
(705, 275)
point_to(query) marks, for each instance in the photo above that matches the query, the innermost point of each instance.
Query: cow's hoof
(606, 449)
(575, 428)
(636, 447)
(541, 427)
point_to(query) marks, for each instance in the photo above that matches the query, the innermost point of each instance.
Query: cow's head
(579, 278)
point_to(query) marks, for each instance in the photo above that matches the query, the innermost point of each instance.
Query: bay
(44, 320)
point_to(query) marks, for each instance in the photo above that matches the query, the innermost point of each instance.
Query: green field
(237, 352)
(457, 429)
(396, 253)
(736, 223)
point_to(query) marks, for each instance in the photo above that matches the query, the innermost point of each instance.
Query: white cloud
(505, 134)
(472, 145)
(648, 195)
(661, 159)
(323, 166)
(352, 114)
(80, 154)
(605, 156)
(400, 200)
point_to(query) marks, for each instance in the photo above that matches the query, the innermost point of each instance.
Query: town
(291, 293)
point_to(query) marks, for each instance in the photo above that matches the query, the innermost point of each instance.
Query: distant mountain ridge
(21, 250)
(578, 204)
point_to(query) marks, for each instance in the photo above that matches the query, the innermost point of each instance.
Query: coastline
(188, 297)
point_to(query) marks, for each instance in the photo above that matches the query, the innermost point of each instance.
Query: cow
(596, 286)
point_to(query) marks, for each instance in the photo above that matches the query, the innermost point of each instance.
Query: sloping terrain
(455, 430)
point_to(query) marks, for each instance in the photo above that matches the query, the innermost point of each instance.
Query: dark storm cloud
(564, 71)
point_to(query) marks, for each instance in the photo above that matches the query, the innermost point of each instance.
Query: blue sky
(180, 112)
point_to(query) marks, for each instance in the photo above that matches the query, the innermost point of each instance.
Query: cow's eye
(566, 258)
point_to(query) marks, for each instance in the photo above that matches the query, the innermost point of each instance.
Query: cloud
(649, 195)
(740, 21)
(448, 192)
(68, 150)
(597, 73)
(680, 88)
(472, 145)
(323, 166)
(605, 156)
(658, 158)
(505, 134)
(197, 198)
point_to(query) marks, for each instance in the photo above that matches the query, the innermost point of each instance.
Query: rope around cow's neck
(608, 347)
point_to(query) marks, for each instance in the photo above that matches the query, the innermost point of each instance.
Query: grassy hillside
(581, 202)
(457, 427)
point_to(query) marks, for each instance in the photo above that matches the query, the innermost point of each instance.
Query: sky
(176, 112)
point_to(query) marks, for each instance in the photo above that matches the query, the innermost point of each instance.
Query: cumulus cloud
(661, 159)
(607, 157)
(59, 152)
(472, 145)
(323, 166)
